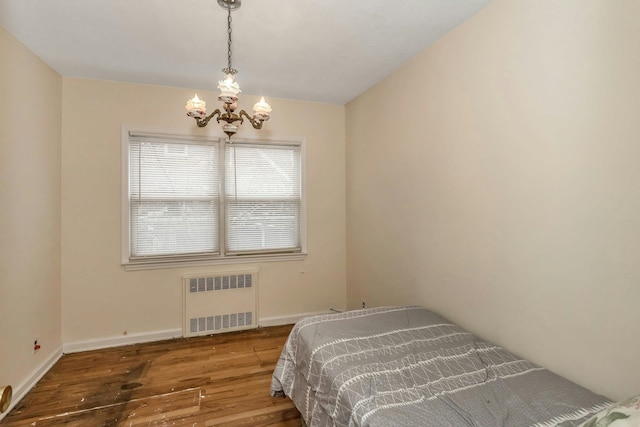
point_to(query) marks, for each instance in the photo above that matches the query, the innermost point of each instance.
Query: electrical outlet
(363, 304)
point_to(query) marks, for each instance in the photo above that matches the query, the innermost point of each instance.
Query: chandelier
(229, 90)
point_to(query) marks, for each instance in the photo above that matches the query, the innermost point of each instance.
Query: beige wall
(30, 123)
(495, 179)
(100, 299)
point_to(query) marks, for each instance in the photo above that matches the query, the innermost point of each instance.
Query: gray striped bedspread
(407, 366)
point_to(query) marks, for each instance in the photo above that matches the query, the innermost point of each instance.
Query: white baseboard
(287, 320)
(99, 343)
(20, 391)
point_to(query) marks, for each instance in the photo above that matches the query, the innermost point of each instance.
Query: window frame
(172, 261)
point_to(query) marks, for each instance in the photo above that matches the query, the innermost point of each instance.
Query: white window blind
(174, 197)
(263, 198)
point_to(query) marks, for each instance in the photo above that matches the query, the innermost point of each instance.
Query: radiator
(219, 302)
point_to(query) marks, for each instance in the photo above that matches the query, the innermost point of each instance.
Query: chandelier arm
(257, 124)
(229, 117)
(202, 122)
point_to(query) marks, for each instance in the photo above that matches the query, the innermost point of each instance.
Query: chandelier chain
(229, 69)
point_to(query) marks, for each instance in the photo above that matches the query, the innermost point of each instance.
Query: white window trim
(173, 262)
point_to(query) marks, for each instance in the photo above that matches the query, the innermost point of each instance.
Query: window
(202, 200)
(263, 198)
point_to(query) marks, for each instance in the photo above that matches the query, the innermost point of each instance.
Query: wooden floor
(220, 380)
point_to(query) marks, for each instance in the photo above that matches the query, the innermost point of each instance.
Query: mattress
(408, 366)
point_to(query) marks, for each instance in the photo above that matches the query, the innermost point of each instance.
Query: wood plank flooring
(220, 380)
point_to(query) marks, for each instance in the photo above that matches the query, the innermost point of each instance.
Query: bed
(408, 366)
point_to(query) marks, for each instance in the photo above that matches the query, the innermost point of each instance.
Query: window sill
(244, 259)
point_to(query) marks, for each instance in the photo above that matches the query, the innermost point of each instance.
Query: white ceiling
(313, 50)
